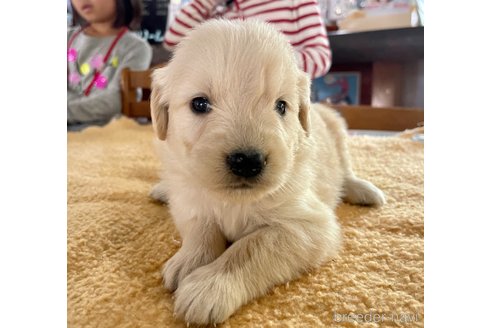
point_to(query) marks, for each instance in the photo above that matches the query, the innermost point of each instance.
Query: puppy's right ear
(159, 102)
(304, 90)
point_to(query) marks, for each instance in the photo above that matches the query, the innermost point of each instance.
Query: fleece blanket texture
(118, 238)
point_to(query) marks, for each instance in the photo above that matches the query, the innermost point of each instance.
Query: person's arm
(102, 105)
(189, 16)
(311, 43)
(315, 57)
(96, 107)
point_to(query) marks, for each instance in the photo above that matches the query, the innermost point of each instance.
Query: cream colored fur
(284, 223)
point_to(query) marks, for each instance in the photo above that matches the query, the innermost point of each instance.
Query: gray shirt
(84, 57)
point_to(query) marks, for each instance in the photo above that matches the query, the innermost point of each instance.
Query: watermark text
(376, 317)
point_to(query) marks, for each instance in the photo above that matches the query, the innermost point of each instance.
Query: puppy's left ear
(304, 92)
(159, 102)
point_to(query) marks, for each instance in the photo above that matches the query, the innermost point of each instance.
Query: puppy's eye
(280, 107)
(200, 105)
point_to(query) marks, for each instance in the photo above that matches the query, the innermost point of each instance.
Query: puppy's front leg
(251, 266)
(202, 243)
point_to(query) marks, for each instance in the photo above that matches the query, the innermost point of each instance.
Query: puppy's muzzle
(246, 164)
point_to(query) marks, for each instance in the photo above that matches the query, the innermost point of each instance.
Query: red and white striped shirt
(299, 20)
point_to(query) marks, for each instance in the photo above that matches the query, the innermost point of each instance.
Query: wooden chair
(358, 117)
(131, 81)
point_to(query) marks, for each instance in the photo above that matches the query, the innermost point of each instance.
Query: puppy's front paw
(207, 297)
(362, 192)
(183, 263)
(177, 268)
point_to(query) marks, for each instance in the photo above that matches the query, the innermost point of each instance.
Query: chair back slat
(130, 82)
(140, 79)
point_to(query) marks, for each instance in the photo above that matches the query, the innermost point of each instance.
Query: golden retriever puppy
(247, 161)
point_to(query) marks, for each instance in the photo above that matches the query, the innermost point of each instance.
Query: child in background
(299, 20)
(98, 50)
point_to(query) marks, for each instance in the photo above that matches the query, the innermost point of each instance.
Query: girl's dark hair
(127, 14)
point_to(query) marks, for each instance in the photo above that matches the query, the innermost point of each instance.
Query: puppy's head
(233, 107)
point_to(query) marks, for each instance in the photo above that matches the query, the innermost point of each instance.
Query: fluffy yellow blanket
(118, 240)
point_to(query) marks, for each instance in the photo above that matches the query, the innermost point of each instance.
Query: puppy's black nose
(246, 164)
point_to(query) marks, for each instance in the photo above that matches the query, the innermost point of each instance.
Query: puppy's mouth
(241, 186)
(237, 183)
